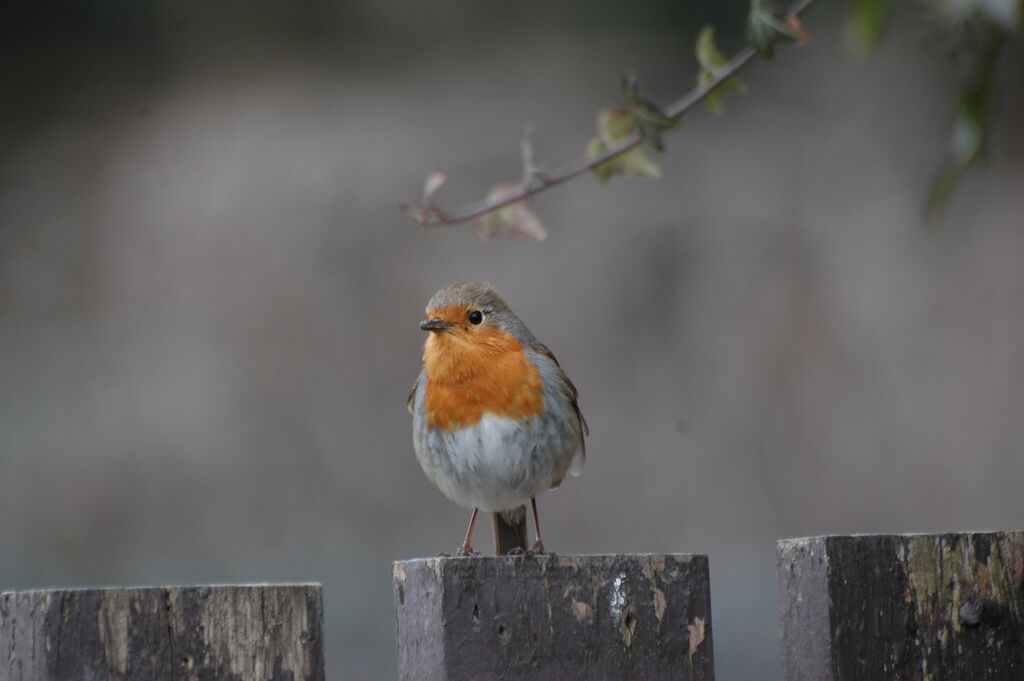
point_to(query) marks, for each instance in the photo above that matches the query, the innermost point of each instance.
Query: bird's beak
(434, 325)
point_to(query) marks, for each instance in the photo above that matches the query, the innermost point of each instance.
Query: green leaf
(615, 125)
(968, 143)
(713, 100)
(970, 128)
(708, 54)
(632, 163)
(866, 21)
(711, 62)
(514, 220)
(649, 119)
(768, 26)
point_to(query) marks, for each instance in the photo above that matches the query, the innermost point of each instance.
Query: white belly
(497, 464)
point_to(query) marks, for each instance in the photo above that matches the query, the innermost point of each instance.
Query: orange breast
(473, 373)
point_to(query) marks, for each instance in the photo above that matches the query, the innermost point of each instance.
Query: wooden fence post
(554, 618)
(941, 607)
(265, 632)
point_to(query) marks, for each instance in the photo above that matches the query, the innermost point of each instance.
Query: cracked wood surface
(208, 633)
(554, 618)
(915, 607)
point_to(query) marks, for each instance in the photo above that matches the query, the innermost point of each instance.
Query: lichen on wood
(935, 607)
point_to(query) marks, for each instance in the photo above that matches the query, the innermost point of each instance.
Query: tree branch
(431, 214)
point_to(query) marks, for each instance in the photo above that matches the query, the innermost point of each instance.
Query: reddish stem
(434, 215)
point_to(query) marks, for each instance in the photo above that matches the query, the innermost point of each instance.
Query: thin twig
(433, 215)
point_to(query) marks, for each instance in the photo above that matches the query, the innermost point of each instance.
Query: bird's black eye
(476, 316)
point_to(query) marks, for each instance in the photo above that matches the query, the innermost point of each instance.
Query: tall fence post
(941, 607)
(261, 632)
(554, 618)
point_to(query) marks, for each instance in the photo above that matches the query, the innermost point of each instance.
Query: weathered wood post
(936, 607)
(265, 632)
(554, 618)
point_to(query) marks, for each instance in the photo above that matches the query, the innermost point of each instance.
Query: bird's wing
(573, 396)
(412, 393)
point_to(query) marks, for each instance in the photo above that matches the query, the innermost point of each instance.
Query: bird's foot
(466, 550)
(537, 549)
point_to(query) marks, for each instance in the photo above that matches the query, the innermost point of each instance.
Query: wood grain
(924, 607)
(212, 633)
(557, 618)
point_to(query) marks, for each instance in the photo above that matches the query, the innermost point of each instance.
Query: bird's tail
(509, 530)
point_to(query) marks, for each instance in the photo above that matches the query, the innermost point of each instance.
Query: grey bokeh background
(208, 299)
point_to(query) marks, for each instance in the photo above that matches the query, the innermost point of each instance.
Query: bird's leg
(466, 549)
(538, 546)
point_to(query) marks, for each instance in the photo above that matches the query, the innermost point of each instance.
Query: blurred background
(209, 299)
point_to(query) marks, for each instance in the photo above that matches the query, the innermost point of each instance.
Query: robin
(495, 419)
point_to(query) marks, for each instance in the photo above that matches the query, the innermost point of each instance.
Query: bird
(496, 421)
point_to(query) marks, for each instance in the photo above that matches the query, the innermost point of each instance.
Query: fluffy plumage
(495, 418)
